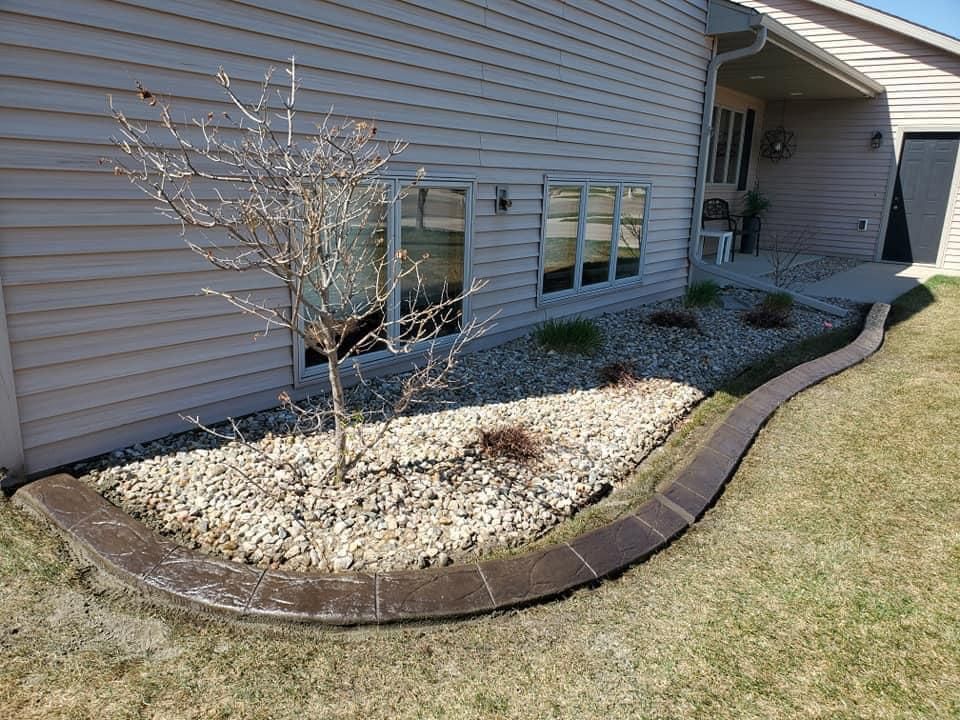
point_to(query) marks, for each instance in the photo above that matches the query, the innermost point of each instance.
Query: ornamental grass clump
(772, 312)
(578, 335)
(778, 302)
(511, 441)
(702, 294)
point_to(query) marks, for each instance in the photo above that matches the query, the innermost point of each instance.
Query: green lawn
(825, 584)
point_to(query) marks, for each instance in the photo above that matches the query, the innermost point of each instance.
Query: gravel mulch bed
(808, 273)
(430, 493)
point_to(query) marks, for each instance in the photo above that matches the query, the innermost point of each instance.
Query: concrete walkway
(763, 264)
(874, 282)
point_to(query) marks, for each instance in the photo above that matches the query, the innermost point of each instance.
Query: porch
(815, 136)
(825, 276)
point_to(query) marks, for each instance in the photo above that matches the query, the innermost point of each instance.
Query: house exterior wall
(835, 178)
(109, 339)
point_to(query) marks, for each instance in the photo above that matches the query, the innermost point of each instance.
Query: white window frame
(578, 290)
(318, 373)
(711, 165)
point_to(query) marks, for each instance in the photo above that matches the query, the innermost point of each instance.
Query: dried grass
(618, 374)
(511, 441)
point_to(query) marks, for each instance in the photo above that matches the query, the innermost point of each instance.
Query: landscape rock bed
(803, 274)
(427, 495)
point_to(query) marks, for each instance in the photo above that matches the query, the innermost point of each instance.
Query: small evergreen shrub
(766, 318)
(702, 294)
(578, 335)
(772, 312)
(674, 318)
(778, 302)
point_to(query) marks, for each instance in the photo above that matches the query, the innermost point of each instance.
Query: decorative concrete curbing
(125, 547)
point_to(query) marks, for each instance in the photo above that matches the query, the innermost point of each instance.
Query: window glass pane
(633, 207)
(349, 282)
(734, 154)
(432, 232)
(598, 234)
(560, 246)
(722, 132)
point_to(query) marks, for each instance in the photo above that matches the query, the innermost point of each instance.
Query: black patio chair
(717, 210)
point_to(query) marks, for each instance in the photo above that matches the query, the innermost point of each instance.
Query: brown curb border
(117, 543)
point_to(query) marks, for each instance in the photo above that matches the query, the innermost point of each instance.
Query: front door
(921, 197)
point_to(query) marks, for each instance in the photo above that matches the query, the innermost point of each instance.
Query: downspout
(706, 132)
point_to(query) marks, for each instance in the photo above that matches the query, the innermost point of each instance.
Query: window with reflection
(417, 249)
(601, 204)
(560, 242)
(593, 235)
(633, 209)
(432, 233)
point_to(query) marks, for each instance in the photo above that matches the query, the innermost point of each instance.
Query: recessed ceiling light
(758, 77)
(796, 94)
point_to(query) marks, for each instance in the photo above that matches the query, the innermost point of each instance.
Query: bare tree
(310, 211)
(785, 254)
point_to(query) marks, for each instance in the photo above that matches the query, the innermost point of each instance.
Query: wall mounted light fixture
(876, 140)
(503, 201)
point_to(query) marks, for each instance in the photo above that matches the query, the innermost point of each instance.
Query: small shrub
(578, 335)
(618, 374)
(674, 318)
(702, 294)
(778, 302)
(764, 317)
(511, 441)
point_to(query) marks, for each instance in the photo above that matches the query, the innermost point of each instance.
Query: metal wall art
(778, 144)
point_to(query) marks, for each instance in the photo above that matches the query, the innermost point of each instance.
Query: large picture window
(593, 235)
(430, 223)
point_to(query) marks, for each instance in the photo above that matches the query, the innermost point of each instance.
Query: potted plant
(755, 206)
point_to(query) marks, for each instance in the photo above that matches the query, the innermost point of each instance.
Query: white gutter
(706, 132)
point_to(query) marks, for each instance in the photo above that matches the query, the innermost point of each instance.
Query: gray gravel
(799, 276)
(428, 494)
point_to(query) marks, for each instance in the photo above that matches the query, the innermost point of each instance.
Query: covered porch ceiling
(788, 67)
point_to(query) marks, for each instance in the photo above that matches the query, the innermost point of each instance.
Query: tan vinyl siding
(109, 336)
(835, 178)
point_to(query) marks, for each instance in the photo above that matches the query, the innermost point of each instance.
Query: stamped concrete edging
(125, 547)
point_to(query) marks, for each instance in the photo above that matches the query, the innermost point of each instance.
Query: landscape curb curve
(125, 547)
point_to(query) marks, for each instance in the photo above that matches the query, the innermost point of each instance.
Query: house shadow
(912, 302)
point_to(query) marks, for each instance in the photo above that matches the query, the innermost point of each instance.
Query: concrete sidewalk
(874, 282)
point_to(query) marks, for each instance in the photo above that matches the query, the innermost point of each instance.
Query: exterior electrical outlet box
(863, 224)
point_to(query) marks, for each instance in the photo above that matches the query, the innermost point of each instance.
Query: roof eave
(894, 23)
(781, 35)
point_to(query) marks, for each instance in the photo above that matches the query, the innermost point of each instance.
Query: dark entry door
(920, 197)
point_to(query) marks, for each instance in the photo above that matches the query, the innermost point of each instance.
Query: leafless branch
(310, 210)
